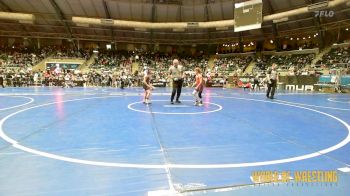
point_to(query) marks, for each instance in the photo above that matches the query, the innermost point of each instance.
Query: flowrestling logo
(324, 13)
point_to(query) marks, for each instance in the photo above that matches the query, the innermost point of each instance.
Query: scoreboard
(248, 15)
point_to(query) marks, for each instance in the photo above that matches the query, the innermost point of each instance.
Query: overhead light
(107, 21)
(297, 38)
(304, 38)
(26, 21)
(271, 41)
(192, 24)
(280, 20)
(221, 28)
(23, 18)
(291, 38)
(82, 25)
(95, 51)
(140, 29)
(84, 20)
(178, 30)
(309, 37)
(347, 29)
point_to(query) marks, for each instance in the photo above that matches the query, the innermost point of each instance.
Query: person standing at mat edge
(176, 73)
(197, 93)
(271, 78)
(2, 80)
(147, 86)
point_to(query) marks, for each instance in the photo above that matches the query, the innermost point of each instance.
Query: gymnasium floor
(104, 141)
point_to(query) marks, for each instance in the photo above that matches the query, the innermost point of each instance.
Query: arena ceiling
(54, 19)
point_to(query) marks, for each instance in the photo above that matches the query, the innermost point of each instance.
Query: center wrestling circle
(202, 109)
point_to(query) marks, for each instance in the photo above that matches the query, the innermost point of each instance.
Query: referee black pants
(271, 88)
(256, 84)
(177, 86)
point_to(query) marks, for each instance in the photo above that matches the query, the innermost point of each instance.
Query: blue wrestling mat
(105, 141)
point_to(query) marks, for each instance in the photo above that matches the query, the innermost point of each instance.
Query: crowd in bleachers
(70, 53)
(160, 63)
(232, 63)
(121, 62)
(284, 62)
(295, 64)
(16, 64)
(116, 68)
(335, 57)
(21, 57)
(22, 78)
(111, 60)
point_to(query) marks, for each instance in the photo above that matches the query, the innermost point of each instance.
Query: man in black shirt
(272, 77)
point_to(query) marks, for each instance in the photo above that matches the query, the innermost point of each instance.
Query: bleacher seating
(336, 57)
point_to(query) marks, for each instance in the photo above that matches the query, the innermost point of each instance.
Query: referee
(176, 74)
(272, 77)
